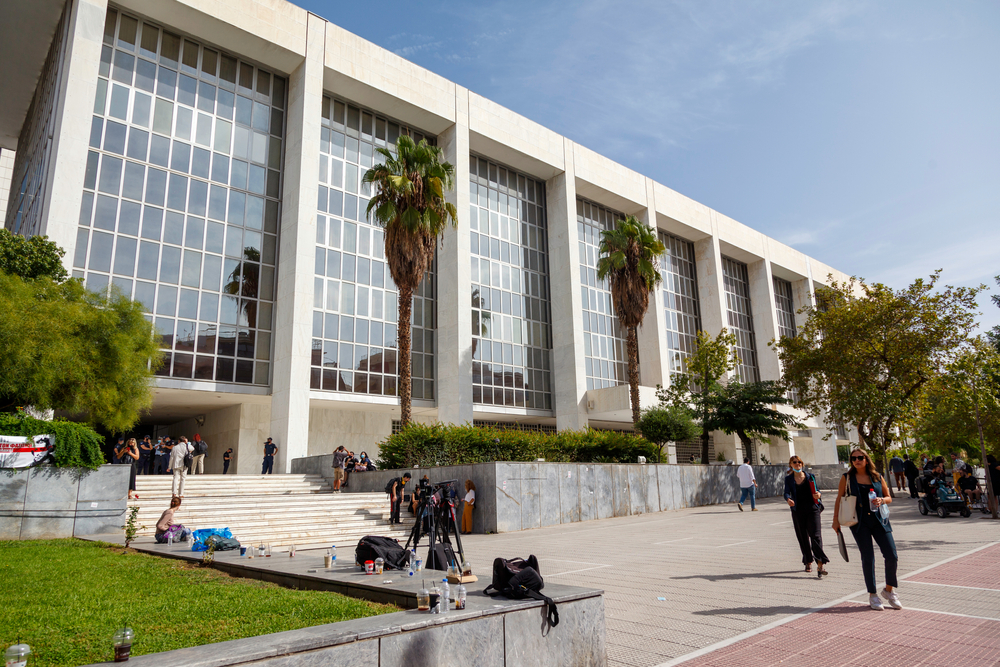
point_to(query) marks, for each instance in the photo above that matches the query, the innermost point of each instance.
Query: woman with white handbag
(863, 501)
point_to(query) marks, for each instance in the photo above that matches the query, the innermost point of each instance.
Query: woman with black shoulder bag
(863, 501)
(803, 497)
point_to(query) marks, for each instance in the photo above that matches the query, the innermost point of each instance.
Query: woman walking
(803, 498)
(873, 524)
(470, 501)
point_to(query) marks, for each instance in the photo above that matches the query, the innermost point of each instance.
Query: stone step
(263, 527)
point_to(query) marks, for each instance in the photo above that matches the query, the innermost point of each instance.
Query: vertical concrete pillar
(765, 317)
(293, 305)
(75, 92)
(569, 377)
(653, 353)
(454, 297)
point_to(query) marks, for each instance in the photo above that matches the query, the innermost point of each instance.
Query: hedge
(77, 445)
(430, 445)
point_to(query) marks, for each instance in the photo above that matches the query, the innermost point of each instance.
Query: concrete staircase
(275, 509)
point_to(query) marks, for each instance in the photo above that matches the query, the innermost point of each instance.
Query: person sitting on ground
(166, 528)
(969, 486)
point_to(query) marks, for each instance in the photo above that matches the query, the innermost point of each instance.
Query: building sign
(17, 451)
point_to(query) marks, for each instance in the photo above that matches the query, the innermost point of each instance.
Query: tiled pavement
(680, 583)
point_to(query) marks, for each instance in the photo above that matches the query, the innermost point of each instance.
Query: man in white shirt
(176, 465)
(748, 485)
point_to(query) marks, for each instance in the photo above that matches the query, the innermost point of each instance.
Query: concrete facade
(314, 362)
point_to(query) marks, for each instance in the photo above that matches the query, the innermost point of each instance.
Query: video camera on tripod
(436, 518)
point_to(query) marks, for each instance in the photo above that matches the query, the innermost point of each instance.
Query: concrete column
(653, 353)
(765, 318)
(454, 295)
(569, 376)
(711, 291)
(75, 92)
(293, 305)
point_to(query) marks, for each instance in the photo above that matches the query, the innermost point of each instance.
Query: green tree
(867, 355)
(748, 411)
(31, 257)
(629, 262)
(408, 200)
(697, 388)
(67, 349)
(993, 335)
(661, 425)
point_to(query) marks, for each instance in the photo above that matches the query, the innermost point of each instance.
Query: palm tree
(629, 260)
(408, 202)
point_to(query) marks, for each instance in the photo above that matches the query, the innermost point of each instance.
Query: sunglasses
(858, 458)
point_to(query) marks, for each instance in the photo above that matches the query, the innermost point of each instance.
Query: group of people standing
(167, 456)
(344, 463)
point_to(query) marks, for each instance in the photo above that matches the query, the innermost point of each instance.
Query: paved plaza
(714, 586)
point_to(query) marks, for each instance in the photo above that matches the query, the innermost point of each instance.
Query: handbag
(848, 514)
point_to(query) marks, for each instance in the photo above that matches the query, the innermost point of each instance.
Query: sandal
(809, 567)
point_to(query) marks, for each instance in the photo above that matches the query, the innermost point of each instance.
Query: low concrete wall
(49, 503)
(519, 496)
(490, 631)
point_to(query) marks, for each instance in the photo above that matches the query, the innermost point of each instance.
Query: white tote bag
(848, 512)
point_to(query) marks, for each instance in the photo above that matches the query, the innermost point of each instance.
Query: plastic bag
(198, 537)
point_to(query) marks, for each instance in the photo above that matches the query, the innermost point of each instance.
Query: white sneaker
(875, 603)
(892, 599)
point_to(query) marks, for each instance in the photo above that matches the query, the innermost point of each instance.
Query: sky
(863, 134)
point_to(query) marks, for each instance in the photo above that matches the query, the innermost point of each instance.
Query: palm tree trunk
(405, 369)
(632, 346)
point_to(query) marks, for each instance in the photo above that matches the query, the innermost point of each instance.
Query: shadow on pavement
(749, 575)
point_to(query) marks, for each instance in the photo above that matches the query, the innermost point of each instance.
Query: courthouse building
(204, 157)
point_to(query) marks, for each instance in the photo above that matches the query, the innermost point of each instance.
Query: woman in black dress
(129, 455)
(803, 497)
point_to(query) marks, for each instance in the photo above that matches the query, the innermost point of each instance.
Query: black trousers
(808, 532)
(144, 464)
(268, 467)
(225, 467)
(865, 531)
(909, 485)
(394, 508)
(160, 463)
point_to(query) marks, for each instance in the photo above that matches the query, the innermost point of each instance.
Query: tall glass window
(511, 334)
(737, 286)
(355, 301)
(181, 197)
(603, 340)
(784, 308)
(680, 299)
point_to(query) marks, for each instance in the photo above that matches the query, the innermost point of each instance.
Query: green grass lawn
(66, 597)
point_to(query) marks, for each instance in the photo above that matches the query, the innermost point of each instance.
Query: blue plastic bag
(199, 536)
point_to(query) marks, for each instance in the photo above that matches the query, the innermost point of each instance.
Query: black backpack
(200, 447)
(518, 579)
(189, 457)
(222, 543)
(371, 547)
(394, 480)
(441, 556)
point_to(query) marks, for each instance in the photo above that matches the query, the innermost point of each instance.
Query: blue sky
(864, 134)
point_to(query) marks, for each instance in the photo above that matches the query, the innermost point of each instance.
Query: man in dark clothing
(227, 458)
(145, 456)
(269, 451)
(116, 451)
(396, 496)
(911, 472)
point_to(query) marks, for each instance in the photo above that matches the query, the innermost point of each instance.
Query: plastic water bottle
(871, 501)
(333, 554)
(445, 595)
(412, 559)
(460, 597)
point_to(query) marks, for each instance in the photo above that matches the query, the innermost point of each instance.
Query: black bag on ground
(222, 543)
(441, 556)
(371, 547)
(518, 579)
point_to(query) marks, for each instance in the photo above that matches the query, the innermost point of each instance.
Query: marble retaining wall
(49, 503)
(519, 496)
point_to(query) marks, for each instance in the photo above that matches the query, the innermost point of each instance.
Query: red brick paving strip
(852, 635)
(979, 570)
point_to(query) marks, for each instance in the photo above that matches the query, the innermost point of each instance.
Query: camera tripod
(438, 508)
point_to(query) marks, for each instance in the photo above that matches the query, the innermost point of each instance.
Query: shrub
(661, 425)
(77, 445)
(843, 453)
(429, 445)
